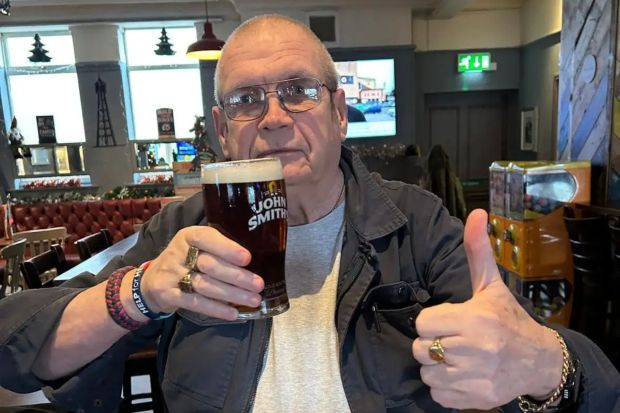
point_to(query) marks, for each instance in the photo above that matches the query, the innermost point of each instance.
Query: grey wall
(539, 65)
(109, 166)
(207, 72)
(436, 72)
(8, 169)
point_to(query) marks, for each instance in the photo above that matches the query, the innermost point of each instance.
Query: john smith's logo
(272, 206)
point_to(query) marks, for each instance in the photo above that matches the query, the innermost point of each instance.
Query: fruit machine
(536, 255)
(497, 207)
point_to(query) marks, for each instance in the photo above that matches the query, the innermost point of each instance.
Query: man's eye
(298, 90)
(246, 99)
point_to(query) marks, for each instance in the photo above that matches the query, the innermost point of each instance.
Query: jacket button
(401, 291)
(98, 403)
(411, 322)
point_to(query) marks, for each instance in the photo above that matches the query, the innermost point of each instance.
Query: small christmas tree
(164, 47)
(39, 54)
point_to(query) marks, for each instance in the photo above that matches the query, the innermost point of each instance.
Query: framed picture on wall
(529, 129)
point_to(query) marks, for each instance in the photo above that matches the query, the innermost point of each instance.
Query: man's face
(307, 143)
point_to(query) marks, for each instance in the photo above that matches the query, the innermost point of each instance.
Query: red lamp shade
(208, 47)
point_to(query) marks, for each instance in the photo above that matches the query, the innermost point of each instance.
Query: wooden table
(95, 263)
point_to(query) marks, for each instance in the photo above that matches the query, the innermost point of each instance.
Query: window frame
(46, 68)
(129, 68)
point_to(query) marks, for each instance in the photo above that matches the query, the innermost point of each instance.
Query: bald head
(274, 26)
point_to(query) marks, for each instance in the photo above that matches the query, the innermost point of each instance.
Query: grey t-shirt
(302, 370)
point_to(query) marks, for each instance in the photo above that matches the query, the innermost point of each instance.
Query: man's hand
(220, 282)
(494, 351)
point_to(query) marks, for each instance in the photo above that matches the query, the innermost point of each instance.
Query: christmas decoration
(164, 47)
(201, 142)
(16, 142)
(39, 54)
(156, 179)
(124, 192)
(53, 183)
(105, 134)
(5, 7)
(55, 197)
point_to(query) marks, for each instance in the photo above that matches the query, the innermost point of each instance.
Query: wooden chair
(591, 253)
(142, 363)
(40, 240)
(92, 244)
(11, 278)
(40, 270)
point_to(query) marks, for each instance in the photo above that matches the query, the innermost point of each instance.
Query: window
(162, 81)
(40, 89)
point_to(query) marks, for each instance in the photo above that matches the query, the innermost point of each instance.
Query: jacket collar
(369, 209)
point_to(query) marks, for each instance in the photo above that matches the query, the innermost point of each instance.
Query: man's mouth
(275, 152)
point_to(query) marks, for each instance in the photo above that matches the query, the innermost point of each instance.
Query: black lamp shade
(208, 47)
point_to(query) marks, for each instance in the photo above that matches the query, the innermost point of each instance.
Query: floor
(139, 384)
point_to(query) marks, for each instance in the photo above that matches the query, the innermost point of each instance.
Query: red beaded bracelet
(113, 301)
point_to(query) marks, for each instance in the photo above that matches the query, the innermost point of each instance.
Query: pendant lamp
(208, 47)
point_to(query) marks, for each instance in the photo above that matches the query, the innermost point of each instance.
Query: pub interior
(511, 106)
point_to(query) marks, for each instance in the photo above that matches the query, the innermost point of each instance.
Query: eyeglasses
(295, 95)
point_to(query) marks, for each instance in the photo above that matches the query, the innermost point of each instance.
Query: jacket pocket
(392, 310)
(201, 359)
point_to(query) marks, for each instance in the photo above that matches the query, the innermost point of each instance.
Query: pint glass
(246, 201)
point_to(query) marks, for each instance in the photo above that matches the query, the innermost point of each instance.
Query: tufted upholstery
(85, 218)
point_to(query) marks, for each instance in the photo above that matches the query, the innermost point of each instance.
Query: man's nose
(276, 116)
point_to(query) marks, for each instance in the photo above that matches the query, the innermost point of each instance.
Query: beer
(246, 202)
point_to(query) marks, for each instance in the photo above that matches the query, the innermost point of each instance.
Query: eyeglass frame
(280, 99)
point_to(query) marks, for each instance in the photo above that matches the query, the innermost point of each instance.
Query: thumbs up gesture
(493, 351)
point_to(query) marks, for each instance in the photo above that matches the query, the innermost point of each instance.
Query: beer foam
(237, 172)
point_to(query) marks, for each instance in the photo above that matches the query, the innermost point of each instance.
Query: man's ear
(221, 128)
(340, 105)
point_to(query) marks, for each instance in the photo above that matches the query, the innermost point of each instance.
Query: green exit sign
(474, 62)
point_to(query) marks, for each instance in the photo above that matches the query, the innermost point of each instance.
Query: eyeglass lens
(296, 95)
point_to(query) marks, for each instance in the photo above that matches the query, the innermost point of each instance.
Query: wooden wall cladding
(586, 80)
(613, 177)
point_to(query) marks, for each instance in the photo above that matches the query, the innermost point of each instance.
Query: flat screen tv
(185, 151)
(369, 90)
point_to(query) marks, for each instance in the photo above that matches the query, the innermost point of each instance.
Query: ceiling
(85, 11)
(431, 7)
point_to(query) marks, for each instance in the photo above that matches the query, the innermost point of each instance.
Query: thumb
(482, 266)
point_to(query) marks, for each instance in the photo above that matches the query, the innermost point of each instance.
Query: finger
(221, 291)
(482, 266)
(202, 305)
(421, 352)
(224, 271)
(210, 240)
(440, 376)
(440, 320)
(451, 399)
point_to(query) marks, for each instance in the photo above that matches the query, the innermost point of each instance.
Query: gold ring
(185, 283)
(192, 258)
(436, 351)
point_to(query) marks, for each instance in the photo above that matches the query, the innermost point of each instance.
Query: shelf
(56, 189)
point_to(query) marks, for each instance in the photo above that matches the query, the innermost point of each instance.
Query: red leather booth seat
(85, 218)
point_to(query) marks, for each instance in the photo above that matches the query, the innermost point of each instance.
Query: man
(374, 270)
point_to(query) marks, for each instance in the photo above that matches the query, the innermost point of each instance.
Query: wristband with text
(138, 299)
